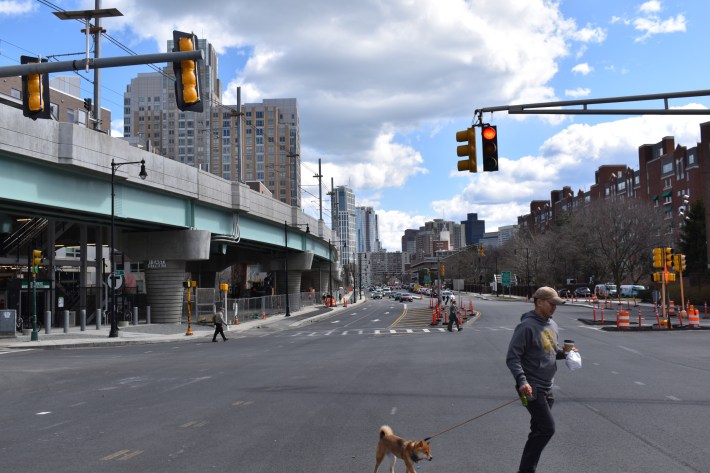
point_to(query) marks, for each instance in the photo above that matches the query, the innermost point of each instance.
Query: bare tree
(617, 237)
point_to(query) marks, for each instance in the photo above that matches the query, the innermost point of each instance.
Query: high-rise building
(271, 145)
(343, 222)
(367, 233)
(260, 142)
(475, 229)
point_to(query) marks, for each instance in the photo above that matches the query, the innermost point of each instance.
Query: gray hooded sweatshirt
(533, 351)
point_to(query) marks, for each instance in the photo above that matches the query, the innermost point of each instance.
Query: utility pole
(320, 190)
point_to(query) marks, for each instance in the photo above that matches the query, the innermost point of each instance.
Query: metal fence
(208, 301)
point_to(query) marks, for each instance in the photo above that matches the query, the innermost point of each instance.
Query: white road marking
(673, 398)
(336, 321)
(614, 372)
(44, 413)
(393, 411)
(630, 350)
(640, 383)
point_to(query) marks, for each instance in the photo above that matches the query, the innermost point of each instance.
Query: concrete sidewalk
(153, 333)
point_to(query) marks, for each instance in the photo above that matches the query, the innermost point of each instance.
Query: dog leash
(471, 420)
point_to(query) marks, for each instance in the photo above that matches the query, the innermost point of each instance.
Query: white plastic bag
(574, 360)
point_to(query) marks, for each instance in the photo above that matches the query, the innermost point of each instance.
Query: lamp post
(308, 230)
(112, 281)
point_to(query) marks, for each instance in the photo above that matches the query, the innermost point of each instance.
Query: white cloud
(392, 224)
(10, 7)
(653, 25)
(583, 68)
(578, 92)
(590, 34)
(117, 128)
(652, 6)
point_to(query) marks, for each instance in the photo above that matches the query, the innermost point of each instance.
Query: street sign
(505, 278)
(119, 272)
(115, 281)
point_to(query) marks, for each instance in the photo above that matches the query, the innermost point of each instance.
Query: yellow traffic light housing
(36, 260)
(35, 92)
(658, 258)
(679, 262)
(188, 95)
(669, 257)
(657, 276)
(468, 150)
(481, 251)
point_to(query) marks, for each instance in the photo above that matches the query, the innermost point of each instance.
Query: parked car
(629, 290)
(605, 290)
(564, 292)
(405, 297)
(582, 292)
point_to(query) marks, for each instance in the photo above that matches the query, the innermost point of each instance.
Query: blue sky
(383, 86)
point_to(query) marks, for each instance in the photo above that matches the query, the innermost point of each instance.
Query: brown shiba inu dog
(397, 447)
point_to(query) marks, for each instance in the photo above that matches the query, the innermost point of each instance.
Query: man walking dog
(532, 359)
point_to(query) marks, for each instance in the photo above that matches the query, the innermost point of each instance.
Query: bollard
(82, 319)
(48, 322)
(98, 319)
(135, 315)
(66, 321)
(147, 314)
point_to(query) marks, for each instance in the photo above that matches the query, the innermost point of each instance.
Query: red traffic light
(488, 133)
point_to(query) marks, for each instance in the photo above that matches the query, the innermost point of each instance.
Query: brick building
(666, 174)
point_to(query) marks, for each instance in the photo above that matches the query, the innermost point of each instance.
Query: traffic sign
(505, 278)
(115, 281)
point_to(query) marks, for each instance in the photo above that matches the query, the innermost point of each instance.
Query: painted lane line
(673, 398)
(393, 411)
(631, 350)
(639, 383)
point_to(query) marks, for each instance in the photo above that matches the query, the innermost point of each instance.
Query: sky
(384, 85)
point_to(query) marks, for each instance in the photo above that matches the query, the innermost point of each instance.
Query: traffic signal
(658, 258)
(187, 78)
(36, 260)
(35, 92)
(468, 150)
(670, 277)
(489, 146)
(442, 269)
(657, 276)
(679, 262)
(669, 257)
(481, 252)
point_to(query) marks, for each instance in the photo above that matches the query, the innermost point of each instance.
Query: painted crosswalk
(350, 332)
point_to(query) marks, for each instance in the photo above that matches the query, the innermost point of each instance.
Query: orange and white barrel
(623, 319)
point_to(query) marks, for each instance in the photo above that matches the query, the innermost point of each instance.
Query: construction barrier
(671, 309)
(640, 319)
(693, 317)
(622, 319)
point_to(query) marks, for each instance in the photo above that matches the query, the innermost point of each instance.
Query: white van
(631, 290)
(605, 290)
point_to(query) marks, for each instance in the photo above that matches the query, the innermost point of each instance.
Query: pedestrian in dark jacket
(218, 323)
(453, 316)
(532, 359)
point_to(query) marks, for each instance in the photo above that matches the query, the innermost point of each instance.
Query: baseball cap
(548, 294)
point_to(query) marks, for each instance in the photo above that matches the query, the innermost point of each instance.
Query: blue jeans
(542, 428)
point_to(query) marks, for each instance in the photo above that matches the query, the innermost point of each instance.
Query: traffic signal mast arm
(553, 108)
(99, 63)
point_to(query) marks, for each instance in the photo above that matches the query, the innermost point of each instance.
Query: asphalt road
(310, 397)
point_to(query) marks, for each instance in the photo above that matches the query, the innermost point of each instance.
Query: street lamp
(308, 230)
(112, 281)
